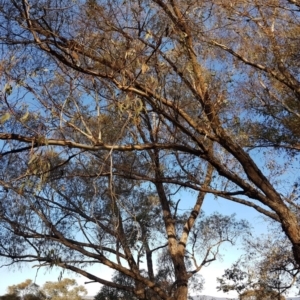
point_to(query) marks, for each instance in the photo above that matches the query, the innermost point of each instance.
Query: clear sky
(210, 273)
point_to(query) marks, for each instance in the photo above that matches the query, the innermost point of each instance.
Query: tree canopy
(267, 269)
(65, 289)
(26, 290)
(110, 109)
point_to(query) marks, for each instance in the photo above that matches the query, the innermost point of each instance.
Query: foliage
(26, 290)
(66, 289)
(62, 290)
(261, 295)
(109, 293)
(111, 111)
(10, 297)
(268, 269)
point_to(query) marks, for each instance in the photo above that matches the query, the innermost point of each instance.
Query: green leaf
(25, 117)
(7, 89)
(4, 118)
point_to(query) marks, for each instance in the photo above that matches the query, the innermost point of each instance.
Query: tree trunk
(181, 283)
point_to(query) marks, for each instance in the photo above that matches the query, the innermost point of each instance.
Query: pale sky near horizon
(210, 273)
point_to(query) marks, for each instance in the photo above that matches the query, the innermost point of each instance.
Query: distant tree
(110, 293)
(10, 297)
(26, 290)
(65, 289)
(25, 297)
(34, 297)
(268, 268)
(260, 294)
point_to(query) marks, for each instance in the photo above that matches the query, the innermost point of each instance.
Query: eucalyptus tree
(26, 290)
(64, 289)
(267, 269)
(106, 104)
(209, 234)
